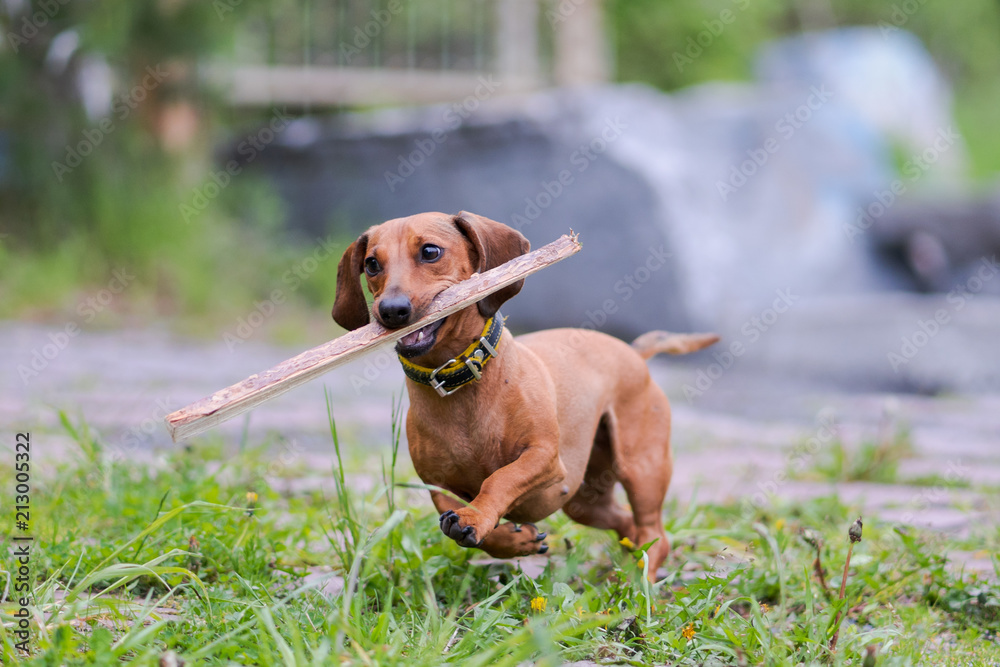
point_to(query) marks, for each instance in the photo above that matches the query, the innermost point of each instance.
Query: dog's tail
(654, 342)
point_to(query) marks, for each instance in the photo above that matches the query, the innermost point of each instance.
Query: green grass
(198, 287)
(198, 555)
(118, 215)
(936, 480)
(871, 461)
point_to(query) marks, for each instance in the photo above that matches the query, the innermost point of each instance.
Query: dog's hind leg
(644, 465)
(594, 502)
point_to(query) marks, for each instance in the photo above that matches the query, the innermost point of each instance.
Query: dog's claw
(543, 548)
(541, 536)
(517, 528)
(465, 537)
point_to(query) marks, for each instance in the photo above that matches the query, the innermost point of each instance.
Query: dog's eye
(430, 253)
(372, 267)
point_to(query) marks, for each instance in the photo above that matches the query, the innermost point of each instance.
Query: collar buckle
(475, 363)
(466, 368)
(489, 348)
(438, 385)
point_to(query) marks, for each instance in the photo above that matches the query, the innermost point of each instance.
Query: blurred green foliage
(44, 118)
(67, 222)
(963, 38)
(84, 192)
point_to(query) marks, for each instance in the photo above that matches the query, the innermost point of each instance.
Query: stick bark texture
(260, 387)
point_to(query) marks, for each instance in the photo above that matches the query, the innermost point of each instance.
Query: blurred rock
(757, 186)
(697, 210)
(524, 167)
(686, 205)
(942, 241)
(913, 343)
(885, 75)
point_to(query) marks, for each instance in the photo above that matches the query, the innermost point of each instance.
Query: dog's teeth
(420, 336)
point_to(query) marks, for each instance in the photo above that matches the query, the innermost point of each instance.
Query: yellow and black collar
(467, 367)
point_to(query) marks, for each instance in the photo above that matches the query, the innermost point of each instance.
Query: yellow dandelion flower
(538, 604)
(688, 631)
(716, 612)
(764, 607)
(579, 611)
(779, 524)
(627, 543)
(251, 503)
(642, 563)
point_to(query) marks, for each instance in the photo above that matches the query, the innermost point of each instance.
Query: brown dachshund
(517, 428)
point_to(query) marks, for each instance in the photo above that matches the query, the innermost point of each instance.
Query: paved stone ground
(732, 443)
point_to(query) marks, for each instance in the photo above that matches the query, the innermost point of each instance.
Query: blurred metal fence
(365, 52)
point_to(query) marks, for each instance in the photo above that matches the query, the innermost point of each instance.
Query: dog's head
(409, 261)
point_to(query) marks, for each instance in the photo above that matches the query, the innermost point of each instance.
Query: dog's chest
(459, 454)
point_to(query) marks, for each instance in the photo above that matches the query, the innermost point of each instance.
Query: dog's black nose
(395, 311)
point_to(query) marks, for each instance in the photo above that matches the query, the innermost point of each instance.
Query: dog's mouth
(420, 341)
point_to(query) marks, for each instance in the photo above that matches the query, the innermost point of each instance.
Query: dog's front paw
(460, 529)
(512, 540)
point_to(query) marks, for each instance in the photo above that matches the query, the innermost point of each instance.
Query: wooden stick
(256, 389)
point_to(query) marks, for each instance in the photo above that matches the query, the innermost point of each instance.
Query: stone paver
(732, 443)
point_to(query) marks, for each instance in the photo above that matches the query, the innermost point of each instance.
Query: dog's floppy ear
(350, 310)
(493, 243)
